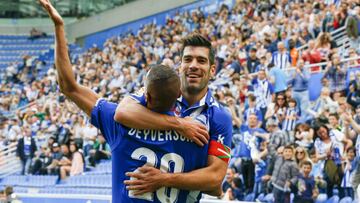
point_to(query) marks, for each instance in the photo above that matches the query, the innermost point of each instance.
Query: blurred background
(285, 69)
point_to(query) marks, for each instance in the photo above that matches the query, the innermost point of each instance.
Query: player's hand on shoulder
(193, 130)
(53, 13)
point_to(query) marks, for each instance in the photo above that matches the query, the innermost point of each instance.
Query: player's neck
(191, 99)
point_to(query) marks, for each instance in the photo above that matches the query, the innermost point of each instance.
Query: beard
(194, 88)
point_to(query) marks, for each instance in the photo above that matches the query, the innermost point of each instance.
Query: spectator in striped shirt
(281, 58)
(336, 73)
(291, 117)
(263, 90)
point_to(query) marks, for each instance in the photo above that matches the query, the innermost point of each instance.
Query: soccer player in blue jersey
(197, 66)
(133, 148)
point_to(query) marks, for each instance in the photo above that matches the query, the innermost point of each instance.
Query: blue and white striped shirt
(263, 90)
(289, 124)
(281, 60)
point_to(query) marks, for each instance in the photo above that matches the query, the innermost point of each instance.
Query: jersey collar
(206, 100)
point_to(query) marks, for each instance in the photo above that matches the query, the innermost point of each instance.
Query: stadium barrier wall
(59, 198)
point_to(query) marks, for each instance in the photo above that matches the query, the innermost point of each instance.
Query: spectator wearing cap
(281, 58)
(26, 149)
(56, 156)
(252, 61)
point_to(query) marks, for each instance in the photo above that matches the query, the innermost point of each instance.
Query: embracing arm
(208, 179)
(131, 114)
(84, 97)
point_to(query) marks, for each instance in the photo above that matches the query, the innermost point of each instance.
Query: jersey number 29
(167, 160)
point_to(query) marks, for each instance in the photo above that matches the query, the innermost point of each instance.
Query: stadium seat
(249, 197)
(333, 199)
(321, 198)
(346, 200)
(269, 198)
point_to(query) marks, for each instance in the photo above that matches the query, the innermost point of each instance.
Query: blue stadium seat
(333, 199)
(321, 198)
(249, 197)
(346, 200)
(269, 198)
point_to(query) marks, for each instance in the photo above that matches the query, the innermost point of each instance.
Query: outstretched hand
(53, 13)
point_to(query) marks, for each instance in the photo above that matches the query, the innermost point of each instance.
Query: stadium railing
(325, 63)
(339, 36)
(9, 163)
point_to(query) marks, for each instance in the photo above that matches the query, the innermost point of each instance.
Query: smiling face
(288, 153)
(322, 133)
(306, 169)
(195, 69)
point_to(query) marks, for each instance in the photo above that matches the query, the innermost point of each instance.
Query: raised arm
(84, 97)
(131, 114)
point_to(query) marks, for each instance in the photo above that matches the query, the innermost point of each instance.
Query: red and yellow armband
(219, 150)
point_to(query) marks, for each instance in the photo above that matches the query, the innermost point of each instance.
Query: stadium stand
(30, 98)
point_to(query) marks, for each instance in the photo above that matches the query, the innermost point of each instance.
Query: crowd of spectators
(282, 141)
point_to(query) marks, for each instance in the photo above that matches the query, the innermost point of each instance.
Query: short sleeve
(102, 117)
(220, 134)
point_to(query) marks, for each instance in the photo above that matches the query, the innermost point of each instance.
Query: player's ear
(147, 97)
(212, 70)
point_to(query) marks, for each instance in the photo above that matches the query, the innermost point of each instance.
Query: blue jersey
(132, 148)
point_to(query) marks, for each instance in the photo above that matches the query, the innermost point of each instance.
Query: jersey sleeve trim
(219, 150)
